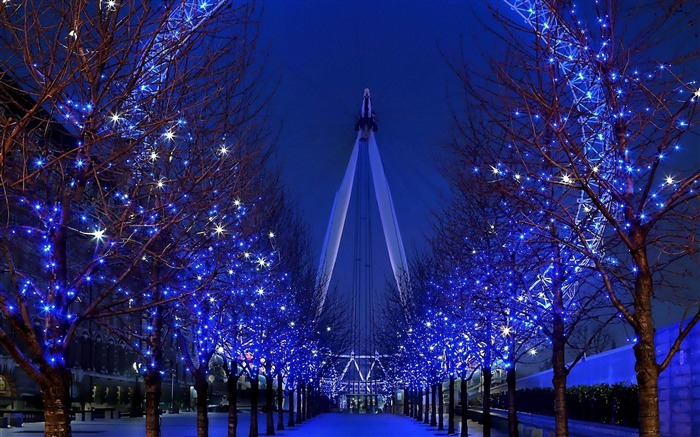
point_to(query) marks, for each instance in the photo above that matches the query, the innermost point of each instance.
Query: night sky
(324, 54)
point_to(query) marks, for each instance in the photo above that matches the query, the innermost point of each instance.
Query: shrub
(615, 404)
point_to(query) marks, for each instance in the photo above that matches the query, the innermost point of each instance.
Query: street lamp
(211, 379)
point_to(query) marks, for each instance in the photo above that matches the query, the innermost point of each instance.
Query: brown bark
(512, 405)
(645, 366)
(201, 386)
(451, 407)
(232, 386)
(280, 402)
(487, 401)
(441, 408)
(153, 389)
(433, 407)
(463, 399)
(56, 395)
(269, 401)
(153, 379)
(561, 426)
(254, 394)
(290, 422)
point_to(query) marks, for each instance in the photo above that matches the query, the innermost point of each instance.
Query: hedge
(615, 404)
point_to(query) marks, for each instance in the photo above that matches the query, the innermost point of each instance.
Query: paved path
(324, 425)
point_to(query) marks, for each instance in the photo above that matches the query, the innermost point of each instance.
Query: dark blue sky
(326, 53)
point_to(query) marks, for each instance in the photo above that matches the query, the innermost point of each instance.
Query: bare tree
(114, 148)
(588, 124)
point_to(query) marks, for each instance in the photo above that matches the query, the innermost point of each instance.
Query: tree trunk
(300, 412)
(419, 400)
(433, 407)
(290, 423)
(307, 396)
(451, 408)
(645, 365)
(426, 419)
(269, 402)
(232, 386)
(405, 401)
(561, 426)
(441, 408)
(56, 397)
(201, 386)
(486, 371)
(512, 406)
(412, 402)
(280, 402)
(254, 393)
(153, 381)
(464, 400)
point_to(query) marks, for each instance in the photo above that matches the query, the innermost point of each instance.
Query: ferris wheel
(572, 56)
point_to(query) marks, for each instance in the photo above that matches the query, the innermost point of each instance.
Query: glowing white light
(154, 155)
(237, 202)
(219, 229)
(506, 330)
(260, 291)
(98, 235)
(160, 183)
(669, 180)
(111, 5)
(595, 169)
(261, 262)
(246, 255)
(271, 235)
(223, 150)
(115, 117)
(169, 134)
(533, 352)
(566, 179)
(697, 93)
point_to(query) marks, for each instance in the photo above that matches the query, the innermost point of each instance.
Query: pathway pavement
(324, 425)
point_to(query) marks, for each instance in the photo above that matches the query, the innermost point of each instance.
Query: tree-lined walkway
(324, 425)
